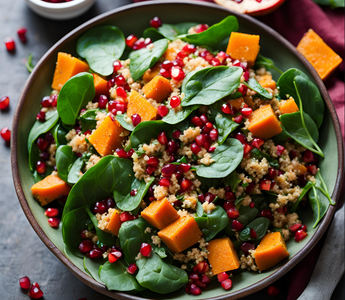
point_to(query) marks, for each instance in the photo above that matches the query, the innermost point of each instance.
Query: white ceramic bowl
(60, 11)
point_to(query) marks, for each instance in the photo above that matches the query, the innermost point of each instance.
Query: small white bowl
(60, 11)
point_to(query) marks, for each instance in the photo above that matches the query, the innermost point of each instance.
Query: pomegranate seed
(44, 155)
(120, 80)
(110, 203)
(176, 134)
(162, 110)
(292, 154)
(54, 100)
(121, 153)
(99, 208)
(238, 119)
(204, 119)
(273, 291)
(169, 170)
(4, 102)
(130, 40)
(222, 56)
(252, 205)
(22, 34)
(253, 234)
(250, 188)
(126, 216)
(201, 139)
(215, 62)
(295, 227)
(165, 73)
(304, 228)
(272, 173)
(162, 138)
(51, 212)
(242, 89)
(265, 184)
(195, 148)
(117, 65)
(200, 284)
(186, 183)
(42, 144)
(193, 276)
(164, 182)
(282, 210)
(132, 268)
(194, 289)
(257, 142)
(201, 198)
(308, 156)
(189, 49)
(209, 127)
(184, 167)
(5, 134)
(141, 43)
(10, 44)
(233, 213)
(114, 256)
(246, 75)
(173, 147)
(200, 28)
(209, 197)
(41, 167)
(181, 55)
(85, 246)
(49, 137)
(228, 205)
(222, 276)
(211, 149)
(205, 279)
(197, 122)
(136, 119)
(175, 101)
(96, 253)
(35, 292)
(312, 169)
(178, 62)
(153, 161)
(177, 73)
(54, 222)
(214, 135)
(227, 108)
(245, 247)
(230, 196)
(247, 148)
(202, 267)
(167, 65)
(145, 249)
(133, 192)
(24, 282)
(115, 106)
(41, 116)
(266, 213)
(237, 63)
(236, 225)
(156, 22)
(280, 150)
(102, 101)
(111, 83)
(226, 284)
(120, 92)
(241, 137)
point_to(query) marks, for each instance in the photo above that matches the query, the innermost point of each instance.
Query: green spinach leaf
(59, 133)
(74, 95)
(101, 46)
(213, 223)
(320, 185)
(262, 61)
(216, 36)
(209, 85)
(247, 214)
(144, 59)
(39, 128)
(305, 190)
(260, 226)
(158, 276)
(165, 31)
(232, 180)
(331, 3)
(122, 120)
(255, 86)
(183, 27)
(174, 117)
(65, 158)
(116, 278)
(319, 203)
(226, 159)
(258, 154)
(88, 119)
(74, 172)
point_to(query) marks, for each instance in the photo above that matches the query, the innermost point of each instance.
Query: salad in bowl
(179, 161)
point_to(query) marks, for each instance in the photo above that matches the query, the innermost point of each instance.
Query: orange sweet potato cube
(266, 81)
(158, 88)
(244, 47)
(137, 104)
(289, 106)
(319, 54)
(151, 73)
(107, 137)
(181, 234)
(170, 53)
(50, 188)
(237, 103)
(271, 250)
(263, 122)
(113, 223)
(66, 67)
(222, 255)
(101, 85)
(160, 213)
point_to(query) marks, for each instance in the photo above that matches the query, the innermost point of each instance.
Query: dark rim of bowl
(237, 294)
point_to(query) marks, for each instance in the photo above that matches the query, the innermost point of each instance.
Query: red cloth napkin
(292, 20)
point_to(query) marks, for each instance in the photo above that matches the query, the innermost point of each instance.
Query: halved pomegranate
(251, 7)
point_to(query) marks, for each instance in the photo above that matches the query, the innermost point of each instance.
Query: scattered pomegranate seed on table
(22, 34)
(10, 44)
(35, 291)
(5, 134)
(24, 283)
(273, 291)
(4, 102)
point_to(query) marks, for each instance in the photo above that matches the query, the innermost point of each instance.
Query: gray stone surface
(21, 251)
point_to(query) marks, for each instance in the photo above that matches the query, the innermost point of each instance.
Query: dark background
(21, 251)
